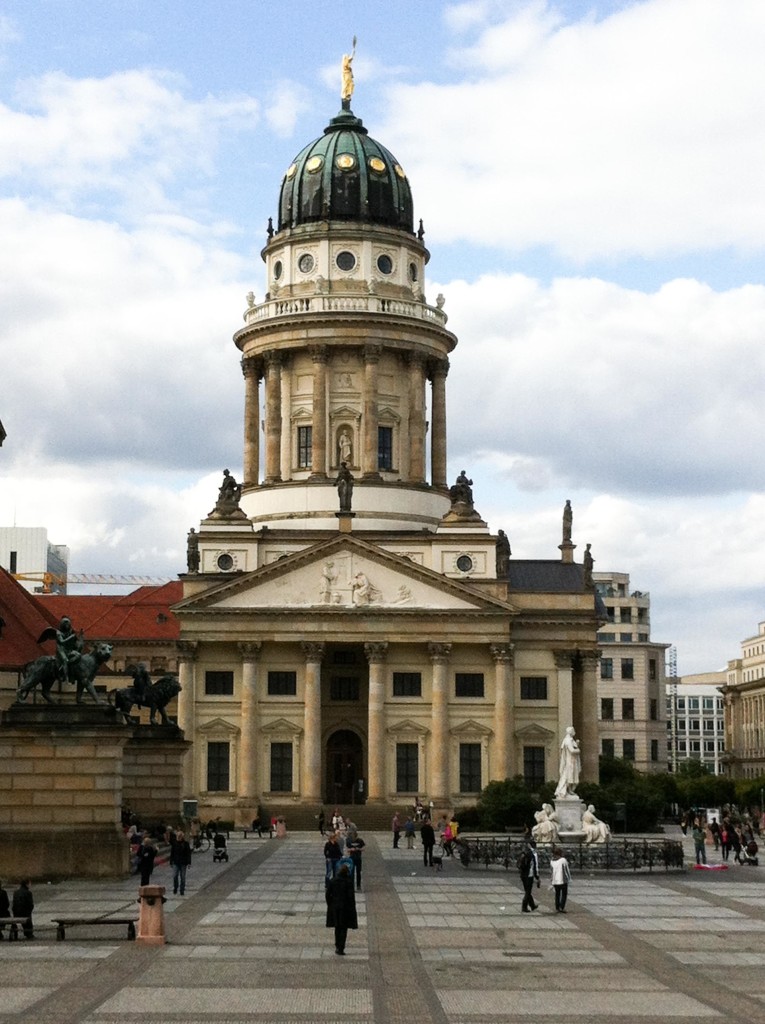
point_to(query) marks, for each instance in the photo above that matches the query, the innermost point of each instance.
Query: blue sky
(589, 176)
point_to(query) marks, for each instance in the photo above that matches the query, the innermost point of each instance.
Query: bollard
(151, 917)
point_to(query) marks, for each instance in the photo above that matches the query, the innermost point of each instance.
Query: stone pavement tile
(720, 958)
(165, 1004)
(462, 1006)
(14, 1000)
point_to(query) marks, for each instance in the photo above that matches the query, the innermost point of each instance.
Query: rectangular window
(628, 750)
(407, 768)
(610, 613)
(219, 684)
(282, 684)
(695, 746)
(343, 688)
(607, 638)
(470, 767)
(13, 562)
(709, 746)
(281, 767)
(654, 710)
(708, 703)
(693, 703)
(533, 687)
(652, 669)
(625, 638)
(625, 615)
(654, 750)
(218, 767)
(607, 708)
(681, 724)
(304, 447)
(407, 684)
(709, 725)
(534, 766)
(628, 668)
(628, 709)
(681, 703)
(606, 668)
(694, 724)
(643, 638)
(468, 684)
(681, 746)
(385, 447)
(607, 748)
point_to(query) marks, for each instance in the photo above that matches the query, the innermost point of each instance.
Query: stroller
(220, 853)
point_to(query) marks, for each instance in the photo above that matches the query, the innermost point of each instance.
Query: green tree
(505, 804)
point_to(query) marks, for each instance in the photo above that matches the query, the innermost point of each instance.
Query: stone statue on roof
(346, 88)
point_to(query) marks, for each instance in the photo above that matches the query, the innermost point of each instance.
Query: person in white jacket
(561, 876)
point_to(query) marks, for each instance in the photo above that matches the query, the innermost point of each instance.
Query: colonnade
(274, 368)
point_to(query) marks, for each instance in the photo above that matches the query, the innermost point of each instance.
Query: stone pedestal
(152, 772)
(569, 810)
(151, 916)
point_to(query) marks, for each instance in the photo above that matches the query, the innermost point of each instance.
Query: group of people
(728, 838)
(445, 834)
(560, 876)
(20, 905)
(343, 852)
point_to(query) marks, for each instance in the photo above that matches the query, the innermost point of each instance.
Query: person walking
(560, 876)
(725, 838)
(23, 905)
(341, 908)
(145, 860)
(699, 840)
(5, 908)
(714, 828)
(354, 846)
(428, 836)
(528, 867)
(396, 827)
(409, 831)
(321, 821)
(333, 851)
(180, 859)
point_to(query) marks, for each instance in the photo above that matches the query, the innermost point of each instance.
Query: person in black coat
(180, 859)
(333, 852)
(5, 907)
(428, 836)
(23, 905)
(341, 907)
(145, 860)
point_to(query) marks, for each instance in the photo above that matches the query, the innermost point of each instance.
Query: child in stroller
(220, 853)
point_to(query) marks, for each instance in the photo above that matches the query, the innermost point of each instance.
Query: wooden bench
(14, 923)
(62, 923)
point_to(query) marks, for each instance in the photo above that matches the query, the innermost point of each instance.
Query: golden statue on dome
(346, 88)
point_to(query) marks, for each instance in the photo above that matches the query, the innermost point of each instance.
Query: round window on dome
(399, 171)
(291, 171)
(305, 263)
(345, 260)
(314, 164)
(385, 264)
(225, 562)
(376, 164)
(413, 272)
(464, 563)
(346, 161)
(277, 270)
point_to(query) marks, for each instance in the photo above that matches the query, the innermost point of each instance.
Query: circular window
(314, 164)
(376, 164)
(291, 171)
(345, 162)
(385, 264)
(412, 271)
(305, 263)
(399, 170)
(225, 562)
(464, 563)
(345, 260)
(277, 270)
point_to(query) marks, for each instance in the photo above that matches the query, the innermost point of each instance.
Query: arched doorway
(345, 767)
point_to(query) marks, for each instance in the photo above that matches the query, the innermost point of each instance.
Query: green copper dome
(345, 175)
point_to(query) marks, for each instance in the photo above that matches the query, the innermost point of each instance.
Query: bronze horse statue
(45, 671)
(144, 693)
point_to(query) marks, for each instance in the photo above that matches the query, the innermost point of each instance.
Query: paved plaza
(248, 943)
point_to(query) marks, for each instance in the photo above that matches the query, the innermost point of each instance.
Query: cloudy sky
(590, 179)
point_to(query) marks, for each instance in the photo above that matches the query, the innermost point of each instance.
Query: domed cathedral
(352, 632)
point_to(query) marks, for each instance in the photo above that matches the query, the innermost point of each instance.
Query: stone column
(501, 768)
(320, 356)
(187, 650)
(587, 718)
(416, 418)
(273, 417)
(376, 654)
(252, 374)
(286, 456)
(369, 466)
(439, 788)
(438, 425)
(311, 784)
(248, 725)
(563, 663)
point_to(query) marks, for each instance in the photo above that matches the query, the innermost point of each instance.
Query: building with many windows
(29, 557)
(696, 721)
(631, 690)
(744, 695)
(351, 628)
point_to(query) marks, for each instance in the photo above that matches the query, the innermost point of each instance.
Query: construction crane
(52, 583)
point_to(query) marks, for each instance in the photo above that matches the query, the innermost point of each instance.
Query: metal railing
(628, 854)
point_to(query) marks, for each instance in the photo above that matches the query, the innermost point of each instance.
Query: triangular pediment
(282, 727)
(471, 728)
(218, 726)
(408, 728)
(341, 575)
(534, 732)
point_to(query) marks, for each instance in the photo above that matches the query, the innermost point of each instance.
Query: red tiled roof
(24, 620)
(143, 614)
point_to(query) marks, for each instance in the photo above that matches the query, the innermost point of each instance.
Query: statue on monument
(346, 86)
(568, 522)
(145, 694)
(192, 551)
(546, 828)
(503, 555)
(345, 447)
(70, 664)
(461, 492)
(588, 563)
(230, 491)
(595, 830)
(570, 764)
(344, 484)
